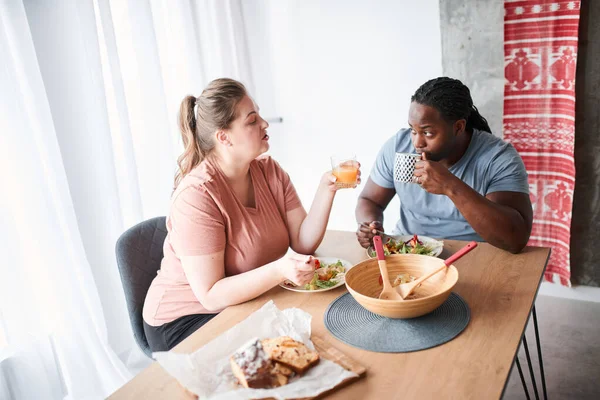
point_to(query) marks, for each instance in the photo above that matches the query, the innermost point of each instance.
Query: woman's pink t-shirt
(206, 217)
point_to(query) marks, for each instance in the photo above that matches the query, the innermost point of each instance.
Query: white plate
(324, 260)
(437, 246)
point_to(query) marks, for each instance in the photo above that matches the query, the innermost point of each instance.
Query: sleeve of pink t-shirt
(197, 226)
(292, 201)
(274, 171)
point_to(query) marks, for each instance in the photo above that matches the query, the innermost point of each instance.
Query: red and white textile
(540, 54)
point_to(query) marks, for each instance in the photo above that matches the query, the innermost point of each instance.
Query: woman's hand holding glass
(345, 173)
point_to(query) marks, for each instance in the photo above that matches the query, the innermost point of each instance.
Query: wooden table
(499, 287)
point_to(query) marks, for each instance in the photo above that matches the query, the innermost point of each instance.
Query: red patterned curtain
(540, 50)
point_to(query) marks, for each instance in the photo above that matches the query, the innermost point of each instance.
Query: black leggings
(167, 336)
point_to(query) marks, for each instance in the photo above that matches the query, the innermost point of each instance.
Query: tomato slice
(317, 264)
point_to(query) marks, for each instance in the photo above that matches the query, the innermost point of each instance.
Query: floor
(570, 340)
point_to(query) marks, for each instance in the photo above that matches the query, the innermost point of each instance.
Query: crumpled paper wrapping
(207, 372)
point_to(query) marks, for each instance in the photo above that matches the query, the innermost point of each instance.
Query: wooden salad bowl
(363, 284)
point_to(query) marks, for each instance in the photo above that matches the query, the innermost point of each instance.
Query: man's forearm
(367, 211)
(499, 225)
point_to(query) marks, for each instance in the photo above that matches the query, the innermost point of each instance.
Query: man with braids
(469, 185)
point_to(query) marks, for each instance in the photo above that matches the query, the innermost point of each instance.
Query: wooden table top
(500, 289)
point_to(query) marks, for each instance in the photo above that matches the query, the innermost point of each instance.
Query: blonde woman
(234, 214)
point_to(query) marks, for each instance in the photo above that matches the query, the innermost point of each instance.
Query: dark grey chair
(139, 253)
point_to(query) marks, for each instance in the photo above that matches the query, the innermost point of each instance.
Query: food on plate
(271, 363)
(412, 246)
(325, 276)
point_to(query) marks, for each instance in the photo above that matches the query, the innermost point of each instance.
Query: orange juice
(346, 175)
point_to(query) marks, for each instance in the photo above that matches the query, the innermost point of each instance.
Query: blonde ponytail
(192, 153)
(216, 110)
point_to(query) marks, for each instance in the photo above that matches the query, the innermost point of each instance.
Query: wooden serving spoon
(406, 289)
(388, 292)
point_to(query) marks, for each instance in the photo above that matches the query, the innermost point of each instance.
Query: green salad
(326, 275)
(412, 246)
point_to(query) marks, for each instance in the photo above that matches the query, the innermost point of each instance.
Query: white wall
(341, 74)
(577, 292)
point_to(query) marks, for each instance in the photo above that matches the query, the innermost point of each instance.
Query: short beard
(437, 156)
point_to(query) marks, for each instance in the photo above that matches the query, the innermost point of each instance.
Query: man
(469, 185)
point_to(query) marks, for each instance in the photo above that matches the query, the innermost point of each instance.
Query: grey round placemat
(351, 323)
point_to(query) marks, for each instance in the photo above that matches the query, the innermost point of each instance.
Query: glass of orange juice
(345, 169)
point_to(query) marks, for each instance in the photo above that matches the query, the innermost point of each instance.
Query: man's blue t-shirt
(489, 165)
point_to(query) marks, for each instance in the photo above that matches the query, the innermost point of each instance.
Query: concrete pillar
(473, 51)
(585, 234)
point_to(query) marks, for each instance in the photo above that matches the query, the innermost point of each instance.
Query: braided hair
(453, 101)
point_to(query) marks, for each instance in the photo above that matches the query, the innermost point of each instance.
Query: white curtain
(89, 94)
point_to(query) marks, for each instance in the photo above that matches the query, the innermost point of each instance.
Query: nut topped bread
(271, 362)
(290, 353)
(281, 373)
(252, 366)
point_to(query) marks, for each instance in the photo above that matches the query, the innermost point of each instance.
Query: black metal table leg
(529, 364)
(539, 349)
(522, 378)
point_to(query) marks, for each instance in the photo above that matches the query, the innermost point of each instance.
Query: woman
(233, 216)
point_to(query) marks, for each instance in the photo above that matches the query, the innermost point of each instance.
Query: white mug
(404, 166)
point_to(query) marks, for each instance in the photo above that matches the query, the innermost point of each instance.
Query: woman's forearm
(314, 225)
(240, 288)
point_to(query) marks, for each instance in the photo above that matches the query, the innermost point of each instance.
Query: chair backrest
(139, 253)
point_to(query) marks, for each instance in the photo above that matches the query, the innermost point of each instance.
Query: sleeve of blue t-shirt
(508, 173)
(383, 170)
